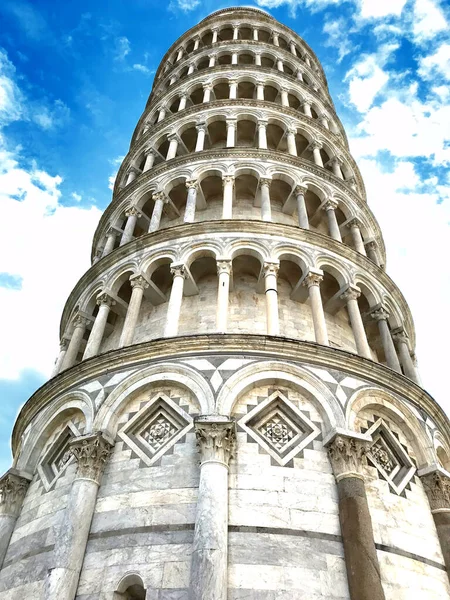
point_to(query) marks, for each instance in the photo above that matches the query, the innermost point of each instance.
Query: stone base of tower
(282, 536)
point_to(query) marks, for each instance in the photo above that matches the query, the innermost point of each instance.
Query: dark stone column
(13, 487)
(437, 486)
(347, 455)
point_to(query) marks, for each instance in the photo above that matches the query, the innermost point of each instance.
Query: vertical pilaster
(223, 272)
(302, 214)
(270, 270)
(176, 298)
(104, 303)
(228, 191)
(13, 487)
(216, 441)
(138, 285)
(313, 280)
(437, 487)
(381, 316)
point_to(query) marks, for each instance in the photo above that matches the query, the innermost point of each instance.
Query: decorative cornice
(216, 439)
(91, 452)
(13, 487)
(254, 345)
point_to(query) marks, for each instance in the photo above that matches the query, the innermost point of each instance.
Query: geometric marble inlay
(389, 457)
(58, 457)
(156, 428)
(279, 427)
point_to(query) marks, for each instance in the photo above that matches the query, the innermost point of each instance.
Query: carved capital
(13, 488)
(201, 127)
(228, 180)
(133, 212)
(80, 321)
(178, 270)
(437, 488)
(216, 440)
(313, 278)
(351, 293)
(314, 145)
(330, 204)
(265, 181)
(300, 190)
(224, 266)
(271, 268)
(148, 151)
(348, 456)
(103, 298)
(354, 223)
(91, 452)
(137, 281)
(159, 196)
(172, 137)
(207, 86)
(63, 344)
(401, 337)
(192, 184)
(381, 314)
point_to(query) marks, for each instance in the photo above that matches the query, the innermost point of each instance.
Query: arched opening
(282, 42)
(302, 145)
(264, 35)
(267, 61)
(196, 96)
(221, 90)
(340, 333)
(270, 93)
(203, 64)
(225, 34)
(213, 194)
(199, 310)
(245, 33)
(174, 105)
(276, 139)
(443, 458)
(246, 89)
(189, 46)
(189, 138)
(246, 311)
(217, 133)
(206, 39)
(246, 59)
(224, 59)
(245, 204)
(279, 193)
(130, 588)
(294, 102)
(246, 131)
(287, 69)
(294, 317)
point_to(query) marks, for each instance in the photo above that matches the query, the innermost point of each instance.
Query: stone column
(372, 252)
(437, 487)
(207, 88)
(196, 44)
(13, 487)
(336, 166)
(307, 110)
(132, 174)
(132, 215)
(401, 337)
(333, 227)
(191, 201)
(381, 316)
(255, 34)
(212, 60)
(276, 41)
(280, 65)
(292, 146)
(215, 31)
(235, 32)
(231, 133)
(110, 241)
(316, 148)
(284, 97)
(270, 286)
(299, 75)
(160, 199)
(201, 132)
(348, 456)
(302, 214)
(62, 353)
(266, 212)
(262, 134)
(91, 451)
(260, 90)
(355, 229)
(313, 280)
(80, 324)
(216, 439)
(138, 285)
(176, 298)
(149, 159)
(161, 114)
(234, 58)
(105, 303)
(324, 121)
(173, 146)
(183, 100)
(233, 89)
(228, 189)
(191, 69)
(258, 60)
(179, 55)
(172, 79)
(351, 295)
(223, 272)
(292, 48)
(307, 60)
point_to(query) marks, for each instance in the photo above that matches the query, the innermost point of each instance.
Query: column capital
(437, 488)
(111, 231)
(228, 179)
(159, 196)
(314, 145)
(347, 452)
(64, 344)
(265, 181)
(371, 244)
(271, 268)
(233, 81)
(178, 270)
(104, 298)
(200, 127)
(260, 81)
(351, 293)
(134, 170)
(300, 188)
(313, 277)
(380, 314)
(13, 487)
(330, 204)
(80, 321)
(132, 211)
(192, 184)
(173, 136)
(224, 265)
(292, 130)
(354, 223)
(208, 85)
(138, 281)
(216, 438)
(263, 122)
(400, 336)
(91, 452)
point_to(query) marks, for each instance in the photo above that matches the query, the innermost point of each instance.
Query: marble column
(138, 285)
(216, 439)
(196, 44)
(191, 201)
(307, 60)
(299, 75)
(260, 90)
(176, 298)
(62, 353)
(207, 89)
(381, 316)
(132, 215)
(436, 484)
(234, 58)
(270, 270)
(183, 100)
(316, 148)
(351, 295)
(307, 110)
(276, 41)
(235, 32)
(212, 61)
(347, 455)
(149, 159)
(372, 252)
(80, 324)
(266, 211)
(173, 146)
(132, 174)
(228, 192)
(91, 452)
(355, 230)
(336, 166)
(191, 69)
(13, 487)
(333, 227)
(231, 133)
(313, 280)
(105, 303)
(223, 272)
(262, 134)
(284, 97)
(159, 199)
(110, 241)
(292, 48)
(258, 59)
(401, 337)
(215, 32)
(255, 34)
(201, 133)
(324, 121)
(280, 65)
(291, 145)
(302, 214)
(233, 89)
(161, 114)
(180, 54)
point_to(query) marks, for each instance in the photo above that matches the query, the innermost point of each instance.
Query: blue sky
(74, 79)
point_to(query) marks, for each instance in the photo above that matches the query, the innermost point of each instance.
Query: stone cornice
(258, 346)
(221, 16)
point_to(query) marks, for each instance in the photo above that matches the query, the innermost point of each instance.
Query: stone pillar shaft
(292, 146)
(333, 227)
(351, 296)
(132, 216)
(155, 221)
(149, 161)
(138, 284)
(176, 298)
(357, 237)
(266, 212)
(110, 242)
(262, 135)
(313, 281)
(223, 271)
(62, 353)
(98, 329)
(191, 201)
(405, 356)
(270, 285)
(201, 133)
(75, 342)
(231, 134)
(173, 147)
(228, 188)
(302, 214)
(381, 316)
(437, 488)
(13, 487)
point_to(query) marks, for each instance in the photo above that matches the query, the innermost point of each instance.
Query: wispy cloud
(183, 5)
(29, 19)
(122, 48)
(143, 69)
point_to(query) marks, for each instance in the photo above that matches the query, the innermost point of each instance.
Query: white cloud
(436, 64)
(337, 32)
(142, 69)
(76, 197)
(116, 162)
(428, 20)
(122, 48)
(184, 5)
(370, 9)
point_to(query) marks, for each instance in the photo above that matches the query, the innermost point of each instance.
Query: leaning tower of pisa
(235, 412)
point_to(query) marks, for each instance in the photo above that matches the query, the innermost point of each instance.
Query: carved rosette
(348, 456)
(91, 452)
(437, 488)
(13, 488)
(216, 440)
